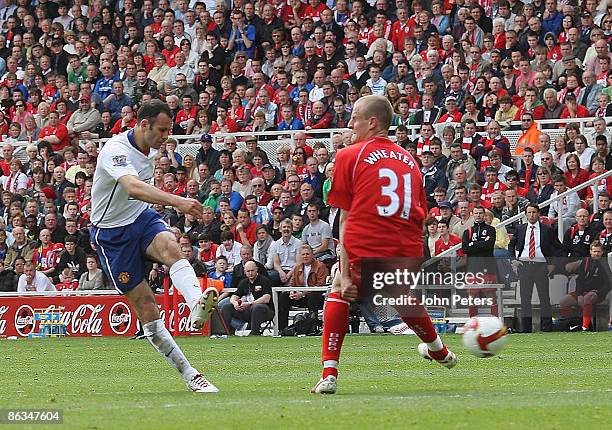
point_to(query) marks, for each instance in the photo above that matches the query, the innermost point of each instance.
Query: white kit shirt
(111, 204)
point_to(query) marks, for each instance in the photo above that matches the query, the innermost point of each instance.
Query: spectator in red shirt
(223, 124)
(314, 9)
(575, 174)
(67, 281)
(54, 133)
(452, 113)
(572, 109)
(187, 116)
(170, 50)
(207, 250)
(320, 118)
(446, 240)
(126, 122)
(46, 256)
(7, 155)
(171, 185)
(245, 231)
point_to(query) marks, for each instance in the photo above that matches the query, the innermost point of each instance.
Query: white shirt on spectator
(585, 157)
(539, 256)
(232, 255)
(378, 87)
(39, 283)
(286, 252)
(16, 182)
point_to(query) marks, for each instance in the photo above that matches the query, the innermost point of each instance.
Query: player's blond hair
(378, 107)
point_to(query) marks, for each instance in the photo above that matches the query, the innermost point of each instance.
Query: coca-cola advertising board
(107, 315)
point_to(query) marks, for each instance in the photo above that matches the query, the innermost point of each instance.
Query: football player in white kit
(126, 231)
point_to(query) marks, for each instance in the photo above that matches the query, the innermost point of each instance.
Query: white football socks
(163, 343)
(184, 278)
(436, 345)
(330, 363)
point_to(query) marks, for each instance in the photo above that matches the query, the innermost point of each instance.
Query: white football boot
(449, 361)
(204, 307)
(325, 386)
(199, 384)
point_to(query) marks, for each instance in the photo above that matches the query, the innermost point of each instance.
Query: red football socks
(420, 323)
(335, 324)
(587, 310)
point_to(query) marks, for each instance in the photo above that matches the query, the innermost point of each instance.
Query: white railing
(275, 138)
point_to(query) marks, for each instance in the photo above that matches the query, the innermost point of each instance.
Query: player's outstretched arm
(148, 193)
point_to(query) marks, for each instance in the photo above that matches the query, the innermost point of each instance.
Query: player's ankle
(327, 371)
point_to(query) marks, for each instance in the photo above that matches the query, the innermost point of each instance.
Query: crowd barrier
(269, 141)
(86, 315)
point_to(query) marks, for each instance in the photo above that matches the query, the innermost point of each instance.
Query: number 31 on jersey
(396, 203)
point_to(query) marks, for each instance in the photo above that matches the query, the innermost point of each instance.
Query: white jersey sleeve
(111, 204)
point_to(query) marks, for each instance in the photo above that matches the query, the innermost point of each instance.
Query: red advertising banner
(108, 315)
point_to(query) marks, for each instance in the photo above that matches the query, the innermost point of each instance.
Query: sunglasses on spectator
(257, 185)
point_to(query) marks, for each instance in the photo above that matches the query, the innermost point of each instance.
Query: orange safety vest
(529, 139)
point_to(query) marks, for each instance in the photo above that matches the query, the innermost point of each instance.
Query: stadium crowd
(77, 71)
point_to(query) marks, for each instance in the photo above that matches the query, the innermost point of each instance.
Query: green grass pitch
(540, 381)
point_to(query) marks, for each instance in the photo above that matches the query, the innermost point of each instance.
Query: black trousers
(255, 315)
(313, 301)
(530, 274)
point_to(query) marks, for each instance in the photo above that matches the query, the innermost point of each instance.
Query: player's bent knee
(165, 249)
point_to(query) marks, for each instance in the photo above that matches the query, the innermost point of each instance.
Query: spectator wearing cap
(452, 113)
(446, 213)
(85, 118)
(432, 176)
(586, 26)
(207, 154)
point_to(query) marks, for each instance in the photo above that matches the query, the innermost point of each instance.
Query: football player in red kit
(379, 188)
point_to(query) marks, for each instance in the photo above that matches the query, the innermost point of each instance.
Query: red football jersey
(381, 186)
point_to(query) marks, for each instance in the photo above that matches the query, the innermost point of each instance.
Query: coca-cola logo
(85, 319)
(3, 310)
(120, 318)
(24, 320)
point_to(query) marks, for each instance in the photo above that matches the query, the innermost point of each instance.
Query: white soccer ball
(485, 336)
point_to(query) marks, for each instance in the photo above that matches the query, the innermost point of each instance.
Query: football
(485, 336)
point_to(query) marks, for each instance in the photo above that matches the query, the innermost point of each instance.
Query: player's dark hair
(151, 109)
(532, 205)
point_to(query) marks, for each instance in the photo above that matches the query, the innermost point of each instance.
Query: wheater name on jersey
(382, 154)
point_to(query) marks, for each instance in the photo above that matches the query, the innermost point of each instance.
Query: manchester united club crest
(124, 277)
